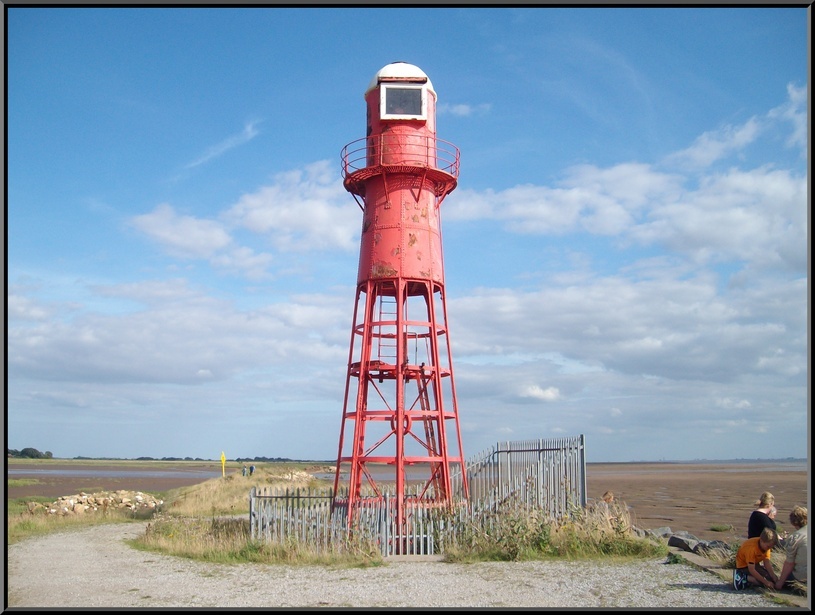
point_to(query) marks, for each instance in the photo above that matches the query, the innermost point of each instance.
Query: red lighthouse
(400, 422)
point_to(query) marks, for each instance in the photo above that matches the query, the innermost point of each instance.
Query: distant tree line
(171, 459)
(33, 453)
(29, 453)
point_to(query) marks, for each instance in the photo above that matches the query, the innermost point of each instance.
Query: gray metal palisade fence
(546, 475)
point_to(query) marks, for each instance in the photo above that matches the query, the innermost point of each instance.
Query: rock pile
(686, 541)
(104, 501)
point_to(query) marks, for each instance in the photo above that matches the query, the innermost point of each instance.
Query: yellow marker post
(223, 464)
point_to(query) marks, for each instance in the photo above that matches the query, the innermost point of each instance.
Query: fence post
(251, 513)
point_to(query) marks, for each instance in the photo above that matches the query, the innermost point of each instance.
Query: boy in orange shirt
(753, 561)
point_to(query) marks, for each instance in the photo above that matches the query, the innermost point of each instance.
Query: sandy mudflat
(125, 475)
(695, 497)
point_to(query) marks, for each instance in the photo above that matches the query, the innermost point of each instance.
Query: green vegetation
(29, 453)
(21, 482)
(721, 527)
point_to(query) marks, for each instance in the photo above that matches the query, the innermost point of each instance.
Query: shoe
(740, 579)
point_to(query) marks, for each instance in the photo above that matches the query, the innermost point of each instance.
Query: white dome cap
(399, 70)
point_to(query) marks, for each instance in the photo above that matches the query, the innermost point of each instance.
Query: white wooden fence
(547, 475)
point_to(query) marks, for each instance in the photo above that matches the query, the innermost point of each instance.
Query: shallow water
(108, 473)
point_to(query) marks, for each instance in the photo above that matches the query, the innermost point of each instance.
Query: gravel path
(93, 567)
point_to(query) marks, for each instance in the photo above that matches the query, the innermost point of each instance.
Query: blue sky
(626, 253)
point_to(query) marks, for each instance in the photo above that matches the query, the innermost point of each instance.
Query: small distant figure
(753, 564)
(244, 469)
(760, 517)
(251, 470)
(795, 566)
(608, 497)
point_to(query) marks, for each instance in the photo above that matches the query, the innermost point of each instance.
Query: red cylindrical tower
(400, 417)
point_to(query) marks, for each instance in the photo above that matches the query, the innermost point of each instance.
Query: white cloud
(179, 335)
(536, 392)
(599, 201)
(758, 216)
(302, 210)
(20, 307)
(738, 404)
(244, 261)
(182, 236)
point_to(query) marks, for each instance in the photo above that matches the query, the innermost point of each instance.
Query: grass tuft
(721, 527)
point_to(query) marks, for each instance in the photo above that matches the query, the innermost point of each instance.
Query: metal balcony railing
(400, 150)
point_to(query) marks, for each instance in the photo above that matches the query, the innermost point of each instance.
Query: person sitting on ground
(795, 567)
(760, 518)
(605, 505)
(782, 536)
(753, 564)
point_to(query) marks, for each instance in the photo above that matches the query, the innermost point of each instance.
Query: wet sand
(683, 496)
(164, 475)
(697, 496)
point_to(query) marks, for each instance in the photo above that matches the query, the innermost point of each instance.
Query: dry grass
(221, 540)
(229, 495)
(209, 521)
(528, 534)
(22, 524)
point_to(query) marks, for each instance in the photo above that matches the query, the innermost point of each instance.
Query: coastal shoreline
(684, 496)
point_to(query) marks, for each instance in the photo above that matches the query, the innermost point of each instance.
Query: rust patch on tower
(383, 270)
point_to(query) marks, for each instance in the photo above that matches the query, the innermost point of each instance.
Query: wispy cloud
(714, 145)
(462, 109)
(248, 133)
(756, 216)
(794, 111)
(717, 144)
